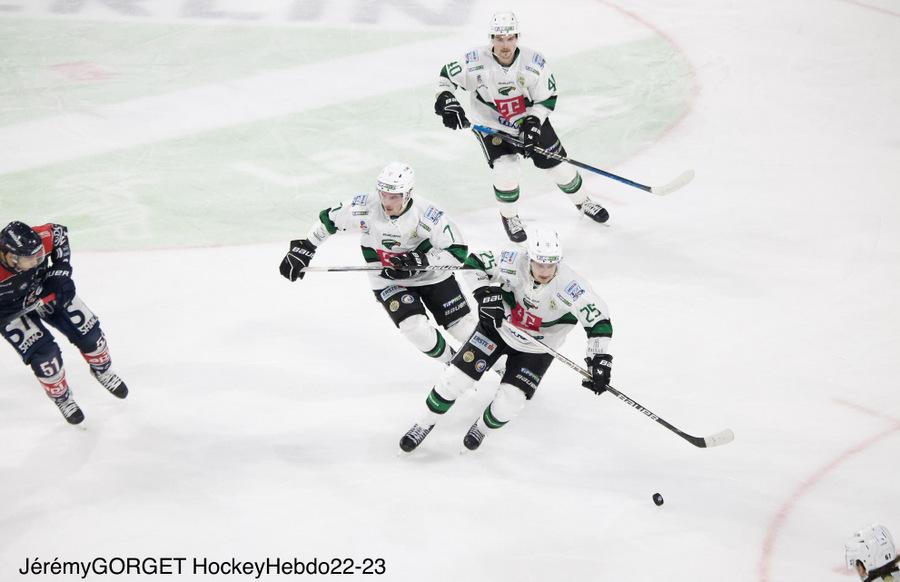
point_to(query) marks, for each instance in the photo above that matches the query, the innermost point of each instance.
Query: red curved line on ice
(870, 7)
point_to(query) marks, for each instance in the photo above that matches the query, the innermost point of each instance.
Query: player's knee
(453, 383)
(462, 328)
(508, 403)
(417, 329)
(562, 174)
(507, 170)
(46, 361)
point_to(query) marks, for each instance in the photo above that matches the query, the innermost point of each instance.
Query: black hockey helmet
(20, 247)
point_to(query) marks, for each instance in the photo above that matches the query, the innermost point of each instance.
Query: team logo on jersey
(469, 356)
(483, 344)
(433, 214)
(389, 244)
(574, 291)
(407, 299)
(505, 91)
(509, 108)
(480, 366)
(364, 227)
(394, 306)
(529, 304)
(521, 80)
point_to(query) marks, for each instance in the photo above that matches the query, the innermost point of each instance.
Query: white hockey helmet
(543, 246)
(872, 545)
(504, 23)
(397, 178)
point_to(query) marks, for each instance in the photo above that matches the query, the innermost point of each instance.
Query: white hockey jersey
(501, 96)
(547, 312)
(422, 227)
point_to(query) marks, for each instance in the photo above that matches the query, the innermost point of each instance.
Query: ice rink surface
(184, 143)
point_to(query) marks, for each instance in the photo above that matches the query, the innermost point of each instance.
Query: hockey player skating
(871, 554)
(511, 90)
(538, 294)
(34, 262)
(400, 230)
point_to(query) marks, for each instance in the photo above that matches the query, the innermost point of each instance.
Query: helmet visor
(26, 262)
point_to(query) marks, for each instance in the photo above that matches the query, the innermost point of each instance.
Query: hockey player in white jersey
(538, 294)
(512, 90)
(400, 232)
(872, 555)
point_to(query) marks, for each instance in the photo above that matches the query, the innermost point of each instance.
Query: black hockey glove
(600, 367)
(59, 280)
(411, 262)
(490, 306)
(530, 133)
(451, 111)
(297, 259)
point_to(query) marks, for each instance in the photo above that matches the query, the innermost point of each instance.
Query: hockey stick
(40, 302)
(714, 440)
(668, 188)
(380, 267)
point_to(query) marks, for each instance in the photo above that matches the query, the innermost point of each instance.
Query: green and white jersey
(502, 96)
(422, 227)
(547, 312)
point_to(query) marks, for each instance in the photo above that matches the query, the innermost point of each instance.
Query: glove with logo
(406, 265)
(490, 306)
(530, 133)
(600, 367)
(451, 111)
(59, 280)
(297, 259)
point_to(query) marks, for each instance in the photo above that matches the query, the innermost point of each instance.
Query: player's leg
(448, 306)
(474, 358)
(405, 308)
(34, 344)
(523, 374)
(82, 328)
(566, 176)
(506, 169)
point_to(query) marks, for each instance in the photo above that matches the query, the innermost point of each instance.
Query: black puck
(657, 499)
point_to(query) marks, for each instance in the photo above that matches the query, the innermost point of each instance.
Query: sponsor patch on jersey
(471, 56)
(538, 60)
(424, 226)
(531, 69)
(482, 343)
(564, 299)
(359, 200)
(480, 366)
(394, 306)
(433, 214)
(363, 227)
(574, 290)
(408, 299)
(469, 357)
(509, 108)
(525, 320)
(508, 256)
(390, 291)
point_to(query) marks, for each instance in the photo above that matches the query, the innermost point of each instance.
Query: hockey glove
(451, 111)
(490, 306)
(411, 262)
(530, 133)
(59, 280)
(600, 367)
(297, 259)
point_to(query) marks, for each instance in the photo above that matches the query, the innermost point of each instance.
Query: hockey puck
(657, 499)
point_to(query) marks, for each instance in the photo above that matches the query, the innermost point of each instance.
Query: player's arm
(542, 90)
(58, 278)
(593, 315)
(301, 251)
(443, 244)
(446, 105)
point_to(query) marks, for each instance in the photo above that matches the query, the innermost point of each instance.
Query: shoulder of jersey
(476, 58)
(508, 261)
(362, 204)
(429, 214)
(532, 61)
(48, 233)
(569, 286)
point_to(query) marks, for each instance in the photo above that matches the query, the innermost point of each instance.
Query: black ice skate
(514, 228)
(593, 211)
(473, 438)
(414, 437)
(69, 408)
(111, 382)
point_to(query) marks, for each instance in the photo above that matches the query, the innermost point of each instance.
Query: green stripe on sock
(437, 403)
(506, 195)
(573, 186)
(490, 420)
(438, 350)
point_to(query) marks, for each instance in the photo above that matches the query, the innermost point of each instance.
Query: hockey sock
(507, 404)
(98, 359)
(55, 385)
(569, 181)
(426, 338)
